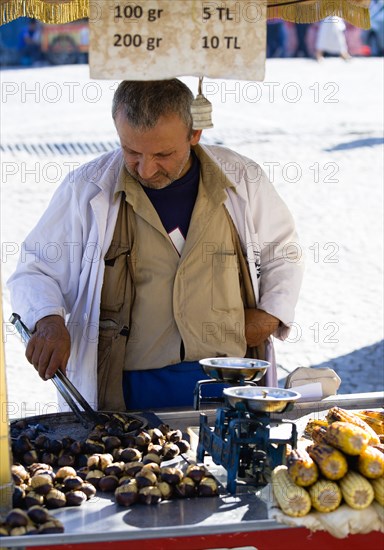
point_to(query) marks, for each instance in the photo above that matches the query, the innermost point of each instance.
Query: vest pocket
(226, 295)
(113, 293)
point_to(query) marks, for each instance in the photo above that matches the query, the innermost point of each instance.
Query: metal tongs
(62, 383)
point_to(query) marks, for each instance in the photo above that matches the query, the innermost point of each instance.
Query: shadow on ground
(366, 142)
(360, 371)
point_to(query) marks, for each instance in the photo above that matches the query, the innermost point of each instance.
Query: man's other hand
(49, 346)
(258, 326)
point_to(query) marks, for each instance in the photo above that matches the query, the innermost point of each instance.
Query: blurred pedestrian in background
(301, 35)
(331, 38)
(30, 43)
(276, 38)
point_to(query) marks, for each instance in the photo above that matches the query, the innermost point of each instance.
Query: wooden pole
(6, 485)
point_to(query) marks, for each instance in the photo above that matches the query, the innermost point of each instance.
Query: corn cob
(379, 415)
(312, 425)
(318, 434)
(378, 489)
(292, 499)
(336, 414)
(374, 419)
(347, 437)
(302, 469)
(370, 463)
(325, 495)
(357, 490)
(331, 462)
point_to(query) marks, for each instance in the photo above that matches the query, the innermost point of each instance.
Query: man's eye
(163, 155)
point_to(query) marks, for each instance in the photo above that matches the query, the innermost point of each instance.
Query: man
(166, 249)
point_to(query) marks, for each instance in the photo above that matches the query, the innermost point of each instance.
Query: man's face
(158, 156)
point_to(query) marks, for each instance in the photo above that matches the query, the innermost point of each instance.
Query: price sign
(158, 39)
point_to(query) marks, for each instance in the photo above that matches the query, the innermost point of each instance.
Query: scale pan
(259, 398)
(234, 369)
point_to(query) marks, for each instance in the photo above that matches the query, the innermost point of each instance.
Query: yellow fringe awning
(47, 11)
(355, 12)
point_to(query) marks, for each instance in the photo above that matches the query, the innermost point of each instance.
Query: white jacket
(61, 267)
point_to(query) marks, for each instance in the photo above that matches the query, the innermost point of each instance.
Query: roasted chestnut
(55, 499)
(208, 487)
(88, 489)
(52, 526)
(72, 483)
(116, 468)
(65, 471)
(130, 454)
(19, 474)
(186, 488)
(41, 483)
(16, 518)
(108, 483)
(94, 477)
(166, 490)
(149, 495)
(183, 445)
(127, 494)
(145, 478)
(38, 514)
(33, 499)
(196, 472)
(170, 450)
(75, 498)
(171, 475)
(66, 459)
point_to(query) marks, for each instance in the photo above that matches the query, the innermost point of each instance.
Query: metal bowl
(259, 398)
(234, 369)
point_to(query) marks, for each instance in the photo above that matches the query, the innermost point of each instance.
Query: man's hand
(258, 326)
(49, 347)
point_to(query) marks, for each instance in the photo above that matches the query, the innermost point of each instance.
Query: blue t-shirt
(174, 203)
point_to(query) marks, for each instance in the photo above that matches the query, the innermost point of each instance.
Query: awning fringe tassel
(47, 12)
(316, 11)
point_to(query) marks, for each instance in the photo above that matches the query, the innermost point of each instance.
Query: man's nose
(146, 167)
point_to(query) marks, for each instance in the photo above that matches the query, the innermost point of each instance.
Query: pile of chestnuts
(118, 457)
(35, 521)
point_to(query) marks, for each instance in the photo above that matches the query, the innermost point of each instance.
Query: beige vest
(194, 298)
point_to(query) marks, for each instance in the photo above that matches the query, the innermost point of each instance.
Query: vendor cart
(229, 520)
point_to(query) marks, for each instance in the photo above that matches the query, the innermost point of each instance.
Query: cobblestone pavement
(316, 129)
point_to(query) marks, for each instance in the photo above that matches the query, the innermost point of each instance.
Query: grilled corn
(314, 424)
(292, 499)
(302, 469)
(370, 463)
(337, 414)
(379, 415)
(331, 462)
(347, 437)
(374, 419)
(378, 489)
(357, 491)
(325, 495)
(318, 434)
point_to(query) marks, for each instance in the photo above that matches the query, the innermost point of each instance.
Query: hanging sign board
(160, 39)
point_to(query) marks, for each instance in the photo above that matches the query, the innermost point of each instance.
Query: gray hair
(144, 102)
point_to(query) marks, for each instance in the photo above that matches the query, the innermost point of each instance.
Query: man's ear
(196, 135)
